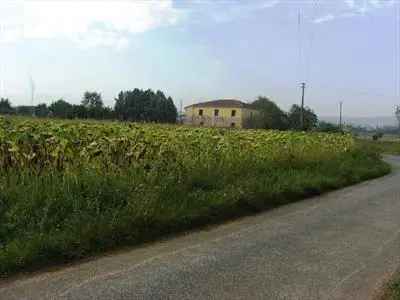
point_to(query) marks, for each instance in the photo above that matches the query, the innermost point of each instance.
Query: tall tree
(93, 103)
(172, 112)
(61, 109)
(145, 106)
(310, 118)
(5, 106)
(41, 110)
(270, 116)
(80, 111)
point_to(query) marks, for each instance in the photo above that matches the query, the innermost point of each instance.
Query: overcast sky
(201, 50)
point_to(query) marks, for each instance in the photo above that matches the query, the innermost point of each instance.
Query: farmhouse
(220, 113)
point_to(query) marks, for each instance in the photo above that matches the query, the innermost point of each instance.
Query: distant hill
(364, 121)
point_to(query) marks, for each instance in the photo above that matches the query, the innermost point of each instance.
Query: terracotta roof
(221, 103)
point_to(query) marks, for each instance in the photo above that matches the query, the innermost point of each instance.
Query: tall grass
(59, 216)
(381, 146)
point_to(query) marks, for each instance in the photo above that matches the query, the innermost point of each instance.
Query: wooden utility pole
(181, 112)
(303, 87)
(32, 84)
(341, 116)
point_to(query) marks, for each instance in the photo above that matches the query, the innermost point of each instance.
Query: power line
(300, 45)
(316, 6)
(397, 52)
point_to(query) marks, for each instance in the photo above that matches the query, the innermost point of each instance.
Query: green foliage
(38, 145)
(92, 100)
(379, 146)
(69, 189)
(58, 217)
(79, 111)
(310, 118)
(327, 127)
(393, 292)
(136, 105)
(270, 117)
(61, 109)
(25, 110)
(377, 135)
(92, 103)
(41, 110)
(5, 107)
(145, 105)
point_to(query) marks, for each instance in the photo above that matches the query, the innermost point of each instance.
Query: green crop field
(69, 189)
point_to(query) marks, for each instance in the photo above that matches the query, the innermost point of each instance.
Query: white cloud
(324, 19)
(375, 3)
(88, 23)
(350, 3)
(363, 6)
(226, 10)
(270, 3)
(355, 8)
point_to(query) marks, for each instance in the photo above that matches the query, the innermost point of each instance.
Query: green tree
(79, 111)
(25, 110)
(108, 113)
(145, 106)
(328, 127)
(41, 110)
(93, 103)
(310, 118)
(5, 106)
(92, 99)
(270, 116)
(61, 109)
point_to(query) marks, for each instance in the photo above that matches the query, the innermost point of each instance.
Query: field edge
(369, 166)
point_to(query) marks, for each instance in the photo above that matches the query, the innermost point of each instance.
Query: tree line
(271, 116)
(148, 106)
(136, 105)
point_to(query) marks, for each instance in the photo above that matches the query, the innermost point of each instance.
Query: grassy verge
(384, 147)
(56, 218)
(392, 289)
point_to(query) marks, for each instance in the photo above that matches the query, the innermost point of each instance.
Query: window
(201, 123)
(233, 114)
(233, 125)
(216, 112)
(200, 112)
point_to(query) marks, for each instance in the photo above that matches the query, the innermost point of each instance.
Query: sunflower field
(49, 145)
(69, 189)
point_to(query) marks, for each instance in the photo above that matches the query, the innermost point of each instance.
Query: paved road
(343, 245)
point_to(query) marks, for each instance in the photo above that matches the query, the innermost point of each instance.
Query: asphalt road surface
(343, 245)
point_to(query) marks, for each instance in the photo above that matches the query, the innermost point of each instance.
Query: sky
(199, 50)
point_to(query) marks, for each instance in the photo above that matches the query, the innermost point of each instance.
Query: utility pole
(181, 112)
(341, 116)
(303, 87)
(32, 84)
(2, 71)
(397, 113)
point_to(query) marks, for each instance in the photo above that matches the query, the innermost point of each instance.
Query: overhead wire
(396, 58)
(306, 38)
(300, 46)
(309, 56)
